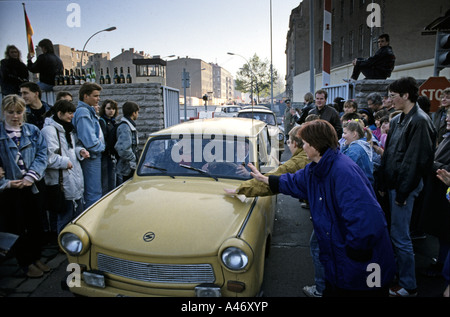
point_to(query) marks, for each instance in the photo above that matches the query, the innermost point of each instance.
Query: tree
(255, 76)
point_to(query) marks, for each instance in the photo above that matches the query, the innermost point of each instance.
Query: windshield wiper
(200, 171)
(158, 169)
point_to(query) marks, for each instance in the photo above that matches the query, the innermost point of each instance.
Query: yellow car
(171, 230)
(268, 116)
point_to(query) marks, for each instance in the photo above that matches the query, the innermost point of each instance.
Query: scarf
(68, 128)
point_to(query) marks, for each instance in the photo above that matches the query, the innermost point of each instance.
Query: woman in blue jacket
(23, 156)
(354, 243)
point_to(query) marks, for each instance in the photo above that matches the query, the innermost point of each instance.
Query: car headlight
(280, 137)
(234, 258)
(74, 240)
(71, 243)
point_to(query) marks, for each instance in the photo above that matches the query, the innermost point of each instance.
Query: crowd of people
(365, 174)
(401, 149)
(56, 160)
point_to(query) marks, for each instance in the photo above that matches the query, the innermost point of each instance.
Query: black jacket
(408, 153)
(48, 65)
(13, 73)
(382, 61)
(328, 113)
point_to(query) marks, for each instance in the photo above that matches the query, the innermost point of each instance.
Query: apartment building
(351, 37)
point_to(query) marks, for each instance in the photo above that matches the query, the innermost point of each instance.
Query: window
(150, 71)
(350, 43)
(361, 38)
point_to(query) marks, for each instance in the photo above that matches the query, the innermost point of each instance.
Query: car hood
(180, 217)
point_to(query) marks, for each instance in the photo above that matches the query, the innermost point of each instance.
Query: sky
(203, 29)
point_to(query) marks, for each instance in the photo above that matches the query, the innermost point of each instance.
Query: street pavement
(288, 268)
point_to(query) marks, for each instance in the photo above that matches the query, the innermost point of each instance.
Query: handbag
(56, 200)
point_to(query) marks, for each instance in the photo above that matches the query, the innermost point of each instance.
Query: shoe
(398, 291)
(33, 271)
(43, 267)
(305, 205)
(311, 291)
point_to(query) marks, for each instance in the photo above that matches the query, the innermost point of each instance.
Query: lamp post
(249, 66)
(82, 52)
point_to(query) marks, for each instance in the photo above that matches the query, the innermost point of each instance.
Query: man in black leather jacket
(378, 66)
(407, 157)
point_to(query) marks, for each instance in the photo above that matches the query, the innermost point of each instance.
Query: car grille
(156, 273)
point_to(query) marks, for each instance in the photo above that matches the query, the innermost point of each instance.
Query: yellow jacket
(253, 188)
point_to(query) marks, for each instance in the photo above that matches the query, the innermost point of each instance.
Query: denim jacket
(88, 129)
(34, 153)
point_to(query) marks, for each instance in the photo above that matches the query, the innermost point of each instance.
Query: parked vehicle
(171, 230)
(266, 115)
(226, 111)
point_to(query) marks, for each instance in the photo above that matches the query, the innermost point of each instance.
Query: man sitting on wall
(378, 66)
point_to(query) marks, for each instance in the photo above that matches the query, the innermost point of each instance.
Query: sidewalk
(14, 283)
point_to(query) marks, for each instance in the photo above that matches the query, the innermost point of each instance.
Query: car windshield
(215, 156)
(268, 118)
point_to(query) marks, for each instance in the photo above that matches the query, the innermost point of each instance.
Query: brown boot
(34, 272)
(43, 267)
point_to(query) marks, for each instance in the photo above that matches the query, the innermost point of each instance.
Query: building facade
(351, 37)
(205, 79)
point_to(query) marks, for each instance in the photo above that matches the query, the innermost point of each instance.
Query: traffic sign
(433, 88)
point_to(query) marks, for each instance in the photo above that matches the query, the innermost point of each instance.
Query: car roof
(219, 126)
(260, 110)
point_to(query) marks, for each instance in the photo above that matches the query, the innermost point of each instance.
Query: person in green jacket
(298, 160)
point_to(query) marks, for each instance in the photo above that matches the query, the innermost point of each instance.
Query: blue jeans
(108, 174)
(319, 272)
(92, 173)
(400, 237)
(73, 209)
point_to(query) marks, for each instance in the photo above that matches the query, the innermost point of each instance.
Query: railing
(345, 91)
(171, 106)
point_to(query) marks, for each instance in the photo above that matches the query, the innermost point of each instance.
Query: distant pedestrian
(64, 95)
(23, 154)
(440, 115)
(13, 71)
(127, 142)
(408, 156)
(309, 104)
(289, 120)
(90, 134)
(48, 65)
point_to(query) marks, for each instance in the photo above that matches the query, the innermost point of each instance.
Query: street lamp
(249, 67)
(82, 52)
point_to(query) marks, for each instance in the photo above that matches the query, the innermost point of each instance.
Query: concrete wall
(148, 96)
